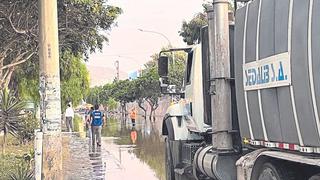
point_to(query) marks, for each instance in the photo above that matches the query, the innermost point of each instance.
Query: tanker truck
(250, 102)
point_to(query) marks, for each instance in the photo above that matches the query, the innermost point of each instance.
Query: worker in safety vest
(133, 116)
(96, 125)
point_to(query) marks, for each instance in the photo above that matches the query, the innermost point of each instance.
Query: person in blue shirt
(96, 125)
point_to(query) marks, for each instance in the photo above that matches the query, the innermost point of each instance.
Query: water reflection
(142, 142)
(98, 165)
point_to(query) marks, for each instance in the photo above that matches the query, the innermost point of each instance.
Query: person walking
(133, 116)
(88, 117)
(69, 118)
(88, 121)
(96, 125)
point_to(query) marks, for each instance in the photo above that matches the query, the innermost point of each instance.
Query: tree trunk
(155, 107)
(123, 112)
(150, 117)
(143, 108)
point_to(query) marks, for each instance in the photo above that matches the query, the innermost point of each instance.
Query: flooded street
(126, 152)
(138, 150)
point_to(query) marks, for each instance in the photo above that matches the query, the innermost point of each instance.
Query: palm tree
(10, 114)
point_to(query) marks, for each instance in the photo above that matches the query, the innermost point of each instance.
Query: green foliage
(7, 164)
(81, 23)
(28, 88)
(27, 126)
(10, 115)
(143, 89)
(190, 31)
(82, 30)
(112, 104)
(147, 86)
(74, 79)
(124, 91)
(94, 95)
(18, 156)
(21, 172)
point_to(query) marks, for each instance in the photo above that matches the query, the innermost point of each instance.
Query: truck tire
(169, 161)
(271, 171)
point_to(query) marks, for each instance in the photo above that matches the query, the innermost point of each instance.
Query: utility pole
(50, 102)
(117, 70)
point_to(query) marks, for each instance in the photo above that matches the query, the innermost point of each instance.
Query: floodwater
(127, 152)
(137, 150)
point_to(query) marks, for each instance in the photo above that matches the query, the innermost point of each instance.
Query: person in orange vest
(133, 116)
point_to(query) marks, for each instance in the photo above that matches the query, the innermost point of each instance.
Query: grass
(14, 147)
(13, 156)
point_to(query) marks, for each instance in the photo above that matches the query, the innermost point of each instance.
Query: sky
(132, 47)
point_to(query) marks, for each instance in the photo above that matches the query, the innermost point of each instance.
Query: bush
(27, 126)
(21, 171)
(15, 167)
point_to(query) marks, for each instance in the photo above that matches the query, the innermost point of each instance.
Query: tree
(148, 89)
(18, 36)
(94, 95)
(28, 123)
(10, 115)
(144, 89)
(190, 31)
(81, 31)
(124, 92)
(147, 86)
(112, 104)
(74, 79)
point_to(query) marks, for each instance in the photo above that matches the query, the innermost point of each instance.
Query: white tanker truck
(251, 96)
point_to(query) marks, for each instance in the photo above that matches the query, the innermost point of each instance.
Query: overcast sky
(133, 47)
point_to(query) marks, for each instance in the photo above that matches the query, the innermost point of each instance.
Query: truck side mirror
(163, 66)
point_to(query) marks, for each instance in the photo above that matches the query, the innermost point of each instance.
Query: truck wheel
(272, 172)
(169, 161)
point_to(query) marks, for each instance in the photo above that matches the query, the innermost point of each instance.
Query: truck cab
(190, 114)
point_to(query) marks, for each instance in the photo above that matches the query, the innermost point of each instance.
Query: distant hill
(102, 75)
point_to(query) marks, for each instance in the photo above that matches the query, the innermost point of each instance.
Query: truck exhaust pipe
(221, 104)
(218, 161)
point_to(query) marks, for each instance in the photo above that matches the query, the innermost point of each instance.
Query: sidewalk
(81, 161)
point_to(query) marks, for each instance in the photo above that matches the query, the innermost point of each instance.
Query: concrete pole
(50, 102)
(38, 154)
(222, 120)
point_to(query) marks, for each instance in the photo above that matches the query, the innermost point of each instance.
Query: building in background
(134, 75)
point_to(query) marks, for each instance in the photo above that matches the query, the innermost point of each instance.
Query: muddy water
(127, 152)
(137, 151)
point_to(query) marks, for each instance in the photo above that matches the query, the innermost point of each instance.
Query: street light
(155, 32)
